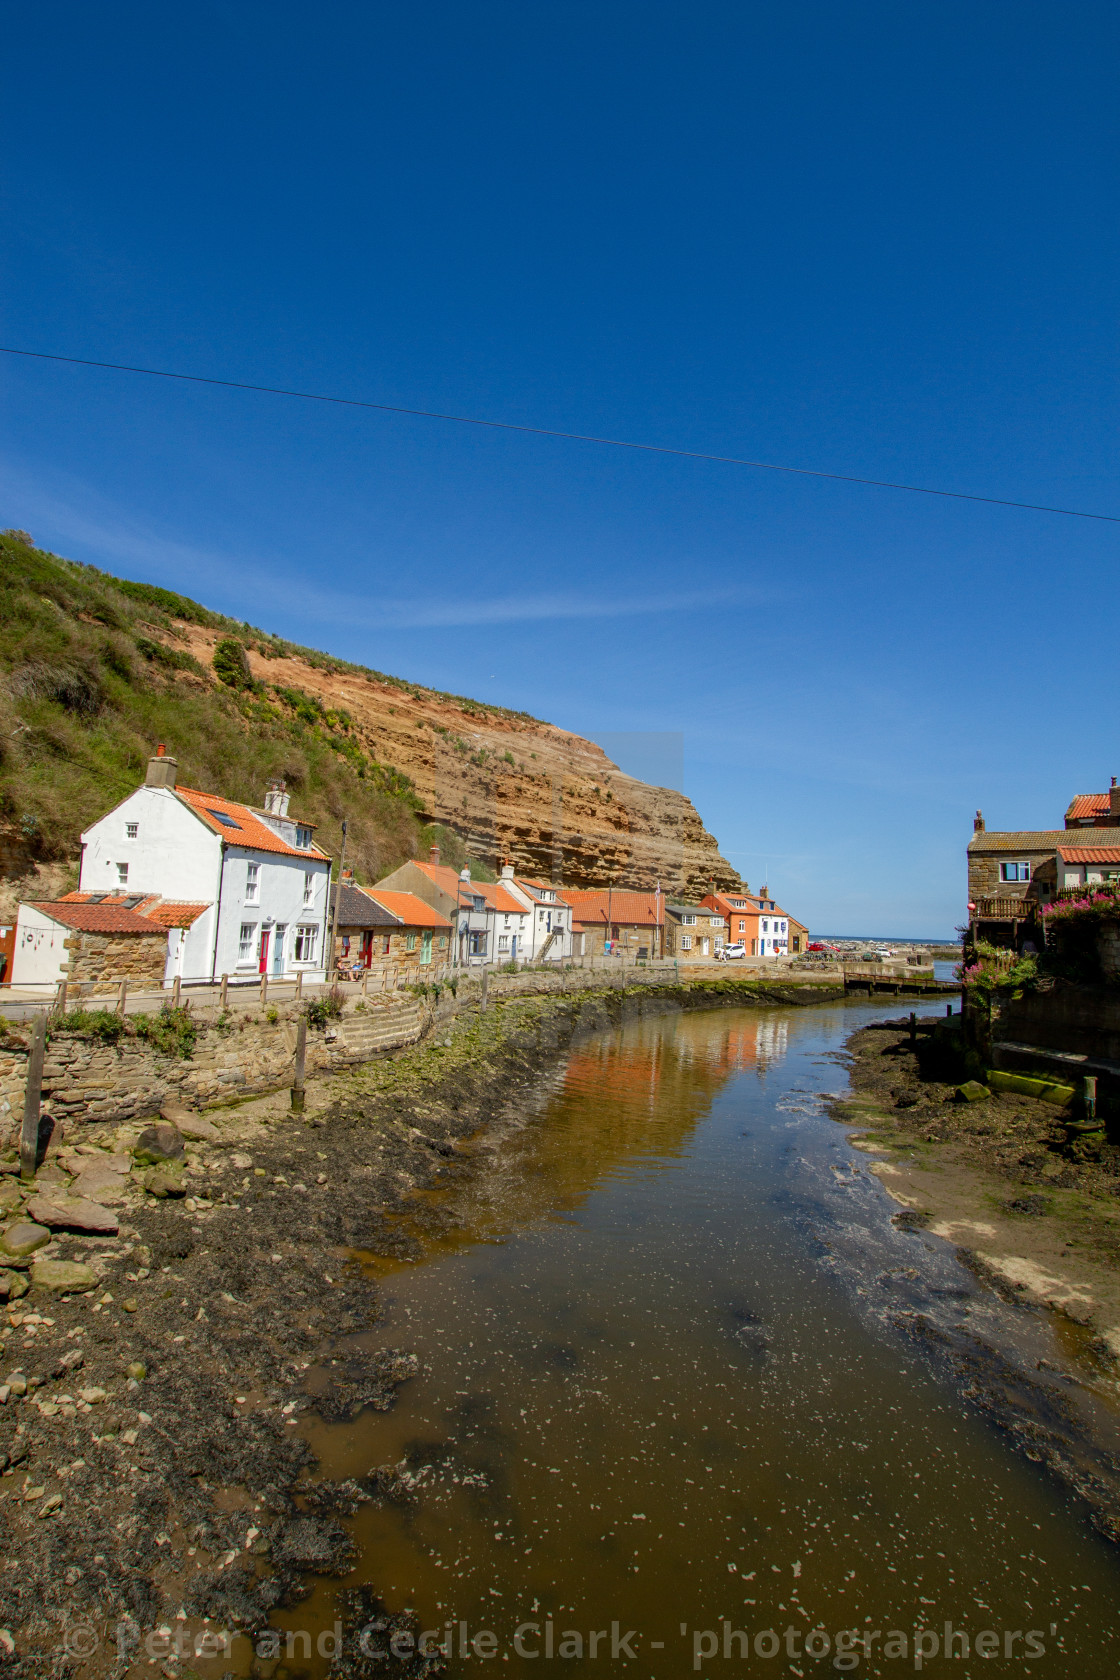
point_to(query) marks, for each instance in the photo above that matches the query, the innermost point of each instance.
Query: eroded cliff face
(512, 787)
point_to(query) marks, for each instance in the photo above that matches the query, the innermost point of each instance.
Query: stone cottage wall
(102, 960)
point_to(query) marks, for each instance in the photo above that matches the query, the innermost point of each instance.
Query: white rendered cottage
(263, 881)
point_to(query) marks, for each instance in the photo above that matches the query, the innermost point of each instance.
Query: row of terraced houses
(180, 885)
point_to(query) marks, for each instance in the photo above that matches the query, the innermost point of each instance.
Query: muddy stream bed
(673, 1415)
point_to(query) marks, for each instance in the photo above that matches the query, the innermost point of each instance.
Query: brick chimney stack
(162, 770)
(1114, 805)
(433, 854)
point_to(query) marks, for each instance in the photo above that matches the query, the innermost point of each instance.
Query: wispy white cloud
(71, 516)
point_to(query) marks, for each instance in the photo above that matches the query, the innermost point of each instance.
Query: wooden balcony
(1006, 910)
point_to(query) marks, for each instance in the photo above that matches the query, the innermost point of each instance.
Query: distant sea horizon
(896, 938)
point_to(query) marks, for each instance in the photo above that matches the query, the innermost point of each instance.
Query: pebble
(161, 1182)
(69, 1275)
(158, 1143)
(21, 1238)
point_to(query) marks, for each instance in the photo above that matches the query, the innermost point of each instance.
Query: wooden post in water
(298, 1092)
(122, 997)
(223, 992)
(32, 1097)
(913, 1027)
(948, 1010)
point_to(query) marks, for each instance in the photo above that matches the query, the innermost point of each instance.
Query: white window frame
(688, 921)
(246, 943)
(308, 887)
(686, 942)
(252, 882)
(122, 874)
(132, 831)
(304, 948)
(1015, 870)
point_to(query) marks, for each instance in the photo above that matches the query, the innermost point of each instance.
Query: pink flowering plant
(1073, 924)
(993, 969)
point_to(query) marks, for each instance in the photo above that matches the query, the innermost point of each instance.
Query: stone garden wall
(85, 1079)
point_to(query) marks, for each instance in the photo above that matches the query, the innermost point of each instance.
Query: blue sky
(868, 238)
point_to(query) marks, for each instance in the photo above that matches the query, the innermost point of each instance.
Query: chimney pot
(276, 797)
(978, 823)
(433, 854)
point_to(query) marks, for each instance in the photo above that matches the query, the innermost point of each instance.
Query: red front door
(265, 937)
(367, 949)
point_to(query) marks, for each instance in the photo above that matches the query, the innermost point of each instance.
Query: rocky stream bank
(1033, 1212)
(182, 1292)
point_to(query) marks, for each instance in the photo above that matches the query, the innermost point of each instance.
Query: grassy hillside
(91, 679)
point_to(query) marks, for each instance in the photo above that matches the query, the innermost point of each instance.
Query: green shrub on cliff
(91, 680)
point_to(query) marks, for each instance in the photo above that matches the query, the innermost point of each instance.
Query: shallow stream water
(664, 1391)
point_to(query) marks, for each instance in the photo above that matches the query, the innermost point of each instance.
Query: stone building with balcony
(1013, 873)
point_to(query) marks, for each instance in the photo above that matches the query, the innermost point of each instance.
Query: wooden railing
(1005, 910)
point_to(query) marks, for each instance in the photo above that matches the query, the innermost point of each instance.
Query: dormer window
(303, 837)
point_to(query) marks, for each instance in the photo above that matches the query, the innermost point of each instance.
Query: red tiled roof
(409, 910)
(753, 905)
(250, 831)
(171, 914)
(168, 913)
(627, 909)
(96, 918)
(1087, 805)
(496, 897)
(1090, 854)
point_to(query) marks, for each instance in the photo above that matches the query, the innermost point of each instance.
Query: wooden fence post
(1089, 1091)
(264, 990)
(298, 1092)
(32, 1096)
(60, 1000)
(122, 997)
(299, 983)
(482, 1004)
(176, 988)
(223, 992)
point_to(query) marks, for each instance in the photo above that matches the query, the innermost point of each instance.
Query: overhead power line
(549, 431)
